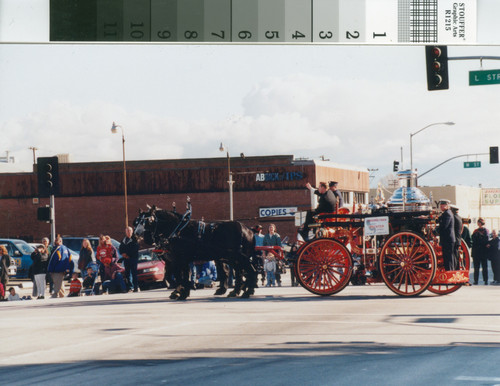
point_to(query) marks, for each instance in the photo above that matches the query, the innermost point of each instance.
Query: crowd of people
(52, 263)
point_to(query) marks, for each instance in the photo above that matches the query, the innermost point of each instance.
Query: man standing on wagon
(333, 185)
(447, 239)
(327, 203)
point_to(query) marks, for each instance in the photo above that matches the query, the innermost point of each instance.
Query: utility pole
(34, 149)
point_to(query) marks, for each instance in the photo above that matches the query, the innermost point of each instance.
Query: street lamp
(422, 129)
(230, 180)
(114, 129)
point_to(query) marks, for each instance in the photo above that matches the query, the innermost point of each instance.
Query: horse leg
(250, 278)
(175, 293)
(185, 286)
(222, 277)
(176, 272)
(238, 283)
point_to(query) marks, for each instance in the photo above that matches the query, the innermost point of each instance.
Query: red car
(150, 269)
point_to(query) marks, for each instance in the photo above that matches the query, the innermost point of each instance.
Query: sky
(354, 105)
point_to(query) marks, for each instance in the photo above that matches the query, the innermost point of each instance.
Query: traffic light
(395, 166)
(48, 176)
(43, 214)
(494, 155)
(436, 59)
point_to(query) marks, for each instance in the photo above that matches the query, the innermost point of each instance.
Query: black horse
(187, 240)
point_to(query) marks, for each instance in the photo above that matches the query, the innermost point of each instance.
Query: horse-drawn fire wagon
(406, 256)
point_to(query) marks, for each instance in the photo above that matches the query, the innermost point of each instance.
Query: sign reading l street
(472, 164)
(479, 78)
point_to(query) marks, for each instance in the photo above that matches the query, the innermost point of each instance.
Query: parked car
(12, 270)
(150, 269)
(20, 251)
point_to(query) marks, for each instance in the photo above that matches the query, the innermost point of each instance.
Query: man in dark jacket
(447, 235)
(333, 185)
(327, 203)
(458, 234)
(129, 249)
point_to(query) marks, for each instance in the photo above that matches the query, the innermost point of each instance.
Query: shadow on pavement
(291, 363)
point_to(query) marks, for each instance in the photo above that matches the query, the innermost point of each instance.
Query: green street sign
(479, 78)
(473, 164)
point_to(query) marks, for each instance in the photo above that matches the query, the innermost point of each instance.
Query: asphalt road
(281, 336)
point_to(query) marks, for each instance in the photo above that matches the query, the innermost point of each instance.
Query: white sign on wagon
(375, 226)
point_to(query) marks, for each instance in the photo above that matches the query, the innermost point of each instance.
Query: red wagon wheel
(323, 266)
(464, 261)
(407, 264)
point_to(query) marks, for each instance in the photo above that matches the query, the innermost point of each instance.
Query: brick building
(91, 200)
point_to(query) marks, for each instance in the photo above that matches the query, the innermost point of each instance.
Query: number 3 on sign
(325, 34)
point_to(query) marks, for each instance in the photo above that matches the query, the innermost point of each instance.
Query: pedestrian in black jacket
(458, 226)
(40, 259)
(480, 238)
(129, 249)
(493, 247)
(447, 235)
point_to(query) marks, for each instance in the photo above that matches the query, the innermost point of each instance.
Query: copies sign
(375, 226)
(278, 212)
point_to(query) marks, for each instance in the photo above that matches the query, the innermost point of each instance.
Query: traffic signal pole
(52, 219)
(449, 159)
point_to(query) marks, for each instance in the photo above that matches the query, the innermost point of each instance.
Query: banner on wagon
(376, 226)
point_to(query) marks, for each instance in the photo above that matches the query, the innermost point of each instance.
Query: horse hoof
(220, 291)
(232, 294)
(245, 295)
(174, 295)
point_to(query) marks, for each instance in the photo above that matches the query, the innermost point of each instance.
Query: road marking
(477, 379)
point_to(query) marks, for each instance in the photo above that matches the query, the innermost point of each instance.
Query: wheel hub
(406, 264)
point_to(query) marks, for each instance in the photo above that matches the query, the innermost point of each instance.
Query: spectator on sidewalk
(86, 257)
(129, 249)
(13, 296)
(60, 264)
(105, 251)
(4, 266)
(259, 255)
(493, 247)
(40, 259)
(270, 268)
(113, 277)
(274, 239)
(75, 286)
(480, 238)
(89, 283)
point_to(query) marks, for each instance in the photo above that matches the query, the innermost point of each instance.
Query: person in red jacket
(75, 286)
(113, 277)
(105, 251)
